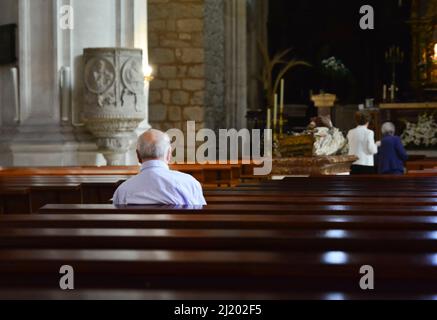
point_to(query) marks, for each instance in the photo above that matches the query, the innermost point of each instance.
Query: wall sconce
(148, 73)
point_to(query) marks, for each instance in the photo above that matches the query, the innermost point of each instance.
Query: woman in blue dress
(391, 153)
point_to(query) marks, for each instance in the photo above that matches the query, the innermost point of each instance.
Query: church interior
(310, 126)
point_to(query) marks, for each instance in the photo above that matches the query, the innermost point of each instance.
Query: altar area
(312, 166)
(410, 111)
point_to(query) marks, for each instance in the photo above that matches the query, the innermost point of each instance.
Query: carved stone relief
(114, 99)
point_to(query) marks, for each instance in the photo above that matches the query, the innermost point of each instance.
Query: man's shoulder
(125, 185)
(183, 178)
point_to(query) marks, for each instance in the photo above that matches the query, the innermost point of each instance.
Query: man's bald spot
(154, 136)
(153, 144)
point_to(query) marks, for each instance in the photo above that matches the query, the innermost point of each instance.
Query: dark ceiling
(320, 29)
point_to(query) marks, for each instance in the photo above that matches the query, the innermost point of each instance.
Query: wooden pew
(243, 209)
(421, 164)
(221, 240)
(241, 270)
(15, 200)
(221, 221)
(41, 194)
(259, 192)
(309, 200)
(98, 189)
(68, 189)
(274, 247)
(423, 173)
(208, 174)
(203, 295)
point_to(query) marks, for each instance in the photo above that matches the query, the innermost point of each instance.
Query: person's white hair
(153, 144)
(388, 128)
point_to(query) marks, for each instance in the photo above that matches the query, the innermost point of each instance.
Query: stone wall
(177, 55)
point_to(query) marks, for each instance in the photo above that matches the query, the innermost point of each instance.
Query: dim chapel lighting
(435, 53)
(148, 73)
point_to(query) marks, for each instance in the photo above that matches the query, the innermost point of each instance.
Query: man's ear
(169, 155)
(139, 158)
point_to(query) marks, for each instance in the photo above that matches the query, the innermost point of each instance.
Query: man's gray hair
(153, 144)
(388, 128)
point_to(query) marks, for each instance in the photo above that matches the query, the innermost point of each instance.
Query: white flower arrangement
(421, 134)
(334, 66)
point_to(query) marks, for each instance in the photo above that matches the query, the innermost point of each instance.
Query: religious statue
(320, 138)
(328, 140)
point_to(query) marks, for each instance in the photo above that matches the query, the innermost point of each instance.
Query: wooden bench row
(267, 251)
(423, 164)
(252, 260)
(26, 195)
(207, 174)
(370, 241)
(203, 295)
(220, 221)
(294, 248)
(250, 209)
(161, 269)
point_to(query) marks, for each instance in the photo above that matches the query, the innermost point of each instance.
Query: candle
(275, 112)
(384, 93)
(269, 119)
(282, 97)
(281, 116)
(393, 88)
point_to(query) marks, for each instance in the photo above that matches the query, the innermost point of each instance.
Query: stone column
(236, 63)
(258, 11)
(51, 129)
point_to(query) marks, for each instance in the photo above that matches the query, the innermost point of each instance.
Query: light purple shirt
(157, 184)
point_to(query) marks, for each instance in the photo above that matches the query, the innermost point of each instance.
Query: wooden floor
(301, 238)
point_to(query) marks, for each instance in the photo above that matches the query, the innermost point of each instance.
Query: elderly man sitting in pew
(156, 183)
